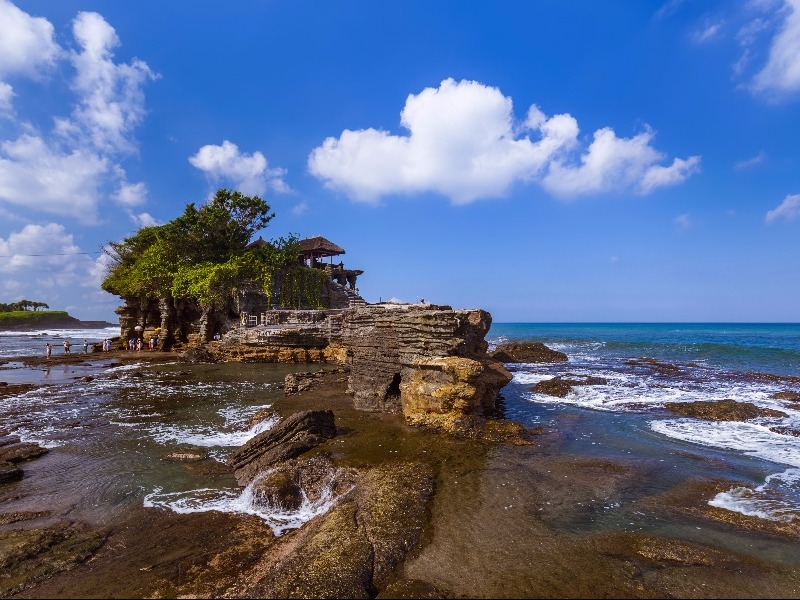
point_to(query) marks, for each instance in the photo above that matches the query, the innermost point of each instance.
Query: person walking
(49, 349)
(67, 347)
(85, 346)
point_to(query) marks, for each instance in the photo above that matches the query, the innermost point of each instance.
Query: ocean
(626, 417)
(116, 430)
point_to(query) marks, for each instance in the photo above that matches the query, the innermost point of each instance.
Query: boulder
(527, 352)
(790, 396)
(290, 438)
(287, 486)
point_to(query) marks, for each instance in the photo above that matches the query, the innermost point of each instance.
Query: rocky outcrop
(529, 352)
(288, 485)
(356, 548)
(288, 439)
(722, 410)
(421, 359)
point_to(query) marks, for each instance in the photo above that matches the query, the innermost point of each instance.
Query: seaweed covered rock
(355, 548)
(561, 385)
(528, 352)
(722, 410)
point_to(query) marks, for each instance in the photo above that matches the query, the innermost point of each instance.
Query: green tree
(203, 254)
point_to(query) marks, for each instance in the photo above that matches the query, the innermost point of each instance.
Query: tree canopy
(22, 305)
(203, 254)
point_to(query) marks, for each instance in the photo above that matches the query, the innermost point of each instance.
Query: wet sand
(502, 521)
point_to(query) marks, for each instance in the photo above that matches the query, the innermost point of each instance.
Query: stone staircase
(354, 298)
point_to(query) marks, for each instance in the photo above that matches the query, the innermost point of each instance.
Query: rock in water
(290, 438)
(722, 410)
(533, 352)
(21, 451)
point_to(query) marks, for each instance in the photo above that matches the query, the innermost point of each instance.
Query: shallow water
(112, 438)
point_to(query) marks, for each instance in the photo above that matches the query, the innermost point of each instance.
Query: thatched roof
(259, 243)
(318, 246)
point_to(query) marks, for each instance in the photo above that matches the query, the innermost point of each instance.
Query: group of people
(137, 343)
(67, 347)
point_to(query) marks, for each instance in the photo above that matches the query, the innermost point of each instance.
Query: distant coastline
(57, 319)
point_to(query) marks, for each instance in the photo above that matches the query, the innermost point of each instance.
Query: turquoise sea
(626, 416)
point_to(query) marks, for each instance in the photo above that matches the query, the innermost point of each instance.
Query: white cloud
(111, 97)
(46, 254)
(26, 42)
(132, 194)
(71, 171)
(142, 219)
(789, 209)
(709, 31)
(463, 144)
(613, 163)
(300, 209)
(32, 173)
(751, 162)
(780, 76)
(248, 173)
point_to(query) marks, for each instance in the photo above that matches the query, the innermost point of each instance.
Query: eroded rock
(290, 438)
(354, 549)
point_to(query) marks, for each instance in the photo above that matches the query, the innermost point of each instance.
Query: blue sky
(546, 161)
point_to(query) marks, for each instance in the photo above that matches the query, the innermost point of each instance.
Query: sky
(547, 161)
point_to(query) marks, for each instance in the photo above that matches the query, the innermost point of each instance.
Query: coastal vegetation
(26, 319)
(205, 255)
(22, 305)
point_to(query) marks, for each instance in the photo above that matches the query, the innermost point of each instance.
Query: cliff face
(421, 359)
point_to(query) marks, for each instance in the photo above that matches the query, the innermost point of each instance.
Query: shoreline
(486, 519)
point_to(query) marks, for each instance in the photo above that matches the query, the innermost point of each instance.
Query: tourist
(86, 346)
(49, 349)
(67, 347)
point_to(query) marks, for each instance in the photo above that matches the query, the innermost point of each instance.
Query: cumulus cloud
(789, 209)
(464, 144)
(71, 170)
(26, 42)
(132, 194)
(66, 182)
(248, 173)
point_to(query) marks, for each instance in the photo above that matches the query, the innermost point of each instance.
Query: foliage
(203, 255)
